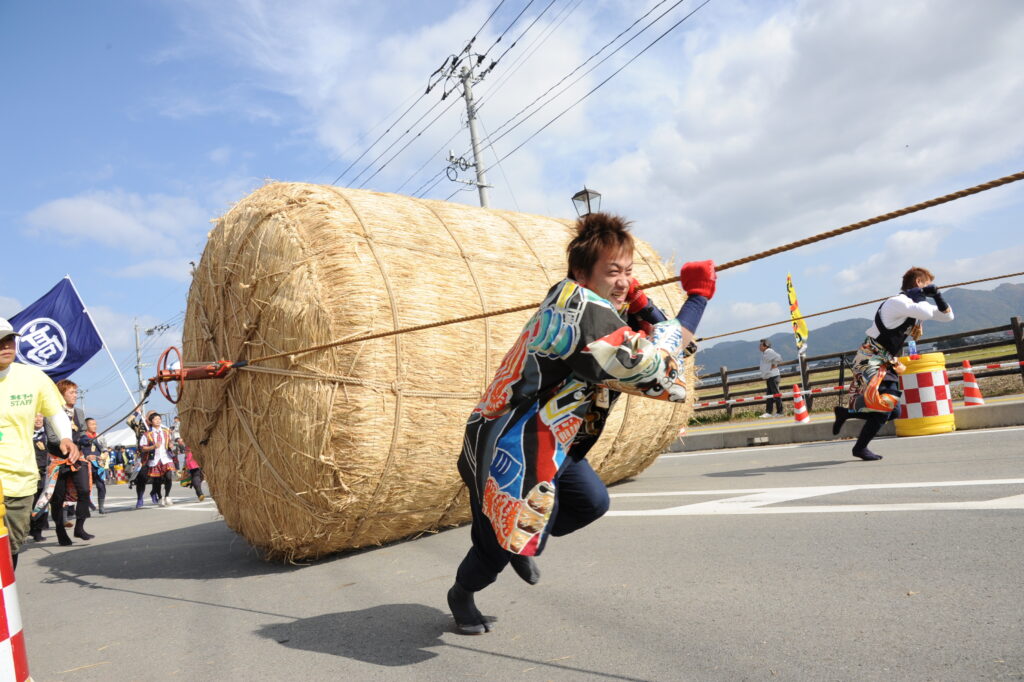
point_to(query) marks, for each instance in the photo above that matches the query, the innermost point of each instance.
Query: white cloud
(167, 231)
(118, 329)
(740, 315)
(740, 132)
(1003, 261)
(220, 155)
(177, 269)
(9, 306)
(882, 270)
(347, 68)
(820, 116)
(124, 220)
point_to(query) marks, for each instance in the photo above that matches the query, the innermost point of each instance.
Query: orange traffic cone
(972, 394)
(13, 656)
(799, 406)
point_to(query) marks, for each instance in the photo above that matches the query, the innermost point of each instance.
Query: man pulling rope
(524, 453)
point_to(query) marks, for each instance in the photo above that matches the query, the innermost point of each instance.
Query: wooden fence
(804, 370)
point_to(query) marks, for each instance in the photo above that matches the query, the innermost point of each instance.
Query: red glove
(698, 278)
(636, 298)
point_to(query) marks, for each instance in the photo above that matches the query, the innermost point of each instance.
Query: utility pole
(467, 78)
(139, 364)
(138, 358)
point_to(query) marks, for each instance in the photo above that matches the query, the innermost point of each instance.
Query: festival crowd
(69, 491)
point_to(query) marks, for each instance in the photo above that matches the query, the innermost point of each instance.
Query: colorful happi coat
(549, 399)
(54, 469)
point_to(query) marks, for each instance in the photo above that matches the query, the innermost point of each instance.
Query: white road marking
(198, 506)
(177, 503)
(752, 500)
(762, 448)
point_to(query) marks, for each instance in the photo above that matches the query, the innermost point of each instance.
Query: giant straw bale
(356, 445)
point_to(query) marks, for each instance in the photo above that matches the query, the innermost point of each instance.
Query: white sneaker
(766, 415)
(167, 502)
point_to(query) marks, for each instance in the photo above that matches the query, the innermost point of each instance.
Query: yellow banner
(799, 324)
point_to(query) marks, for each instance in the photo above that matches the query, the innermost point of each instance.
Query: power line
(531, 49)
(591, 69)
(602, 83)
(580, 66)
(490, 16)
(380, 137)
(429, 159)
(516, 41)
(413, 139)
(501, 169)
(454, 59)
(480, 58)
(356, 144)
(433, 177)
(436, 183)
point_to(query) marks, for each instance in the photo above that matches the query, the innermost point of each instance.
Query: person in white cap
(24, 392)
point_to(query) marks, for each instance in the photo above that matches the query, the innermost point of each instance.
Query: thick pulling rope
(724, 266)
(847, 307)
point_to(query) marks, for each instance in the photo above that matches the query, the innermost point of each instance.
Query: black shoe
(842, 414)
(63, 539)
(526, 568)
(80, 531)
(866, 455)
(37, 536)
(468, 619)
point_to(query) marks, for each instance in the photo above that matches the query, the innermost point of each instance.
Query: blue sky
(128, 126)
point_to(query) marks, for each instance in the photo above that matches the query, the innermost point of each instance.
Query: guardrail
(803, 370)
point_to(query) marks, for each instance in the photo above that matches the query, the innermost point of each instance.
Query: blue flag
(57, 334)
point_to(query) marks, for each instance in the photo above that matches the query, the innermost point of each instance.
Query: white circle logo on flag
(42, 344)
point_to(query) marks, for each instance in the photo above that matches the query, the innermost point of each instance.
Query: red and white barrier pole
(13, 656)
(839, 389)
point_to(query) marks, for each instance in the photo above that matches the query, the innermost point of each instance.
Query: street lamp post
(586, 201)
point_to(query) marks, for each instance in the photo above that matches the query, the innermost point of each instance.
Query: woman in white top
(156, 442)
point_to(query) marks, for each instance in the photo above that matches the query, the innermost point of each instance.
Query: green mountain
(974, 309)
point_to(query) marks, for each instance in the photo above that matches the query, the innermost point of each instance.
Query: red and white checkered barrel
(13, 657)
(927, 404)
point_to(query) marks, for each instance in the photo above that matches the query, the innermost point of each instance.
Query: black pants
(100, 484)
(141, 479)
(167, 480)
(873, 423)
(60, 491)
(580, 498)
(41, 522)
(773, 388)
(197, 480)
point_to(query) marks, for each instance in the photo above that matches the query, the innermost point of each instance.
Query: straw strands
(356, 445)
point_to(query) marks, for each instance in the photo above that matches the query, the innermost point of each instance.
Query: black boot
(468, 619)
(872, 425)
(62, 536)
(526, 568)
(37, 534)
(842, 414)
(80, 530)
(866, 455)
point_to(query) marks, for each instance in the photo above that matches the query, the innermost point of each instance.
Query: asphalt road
(781, 563)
